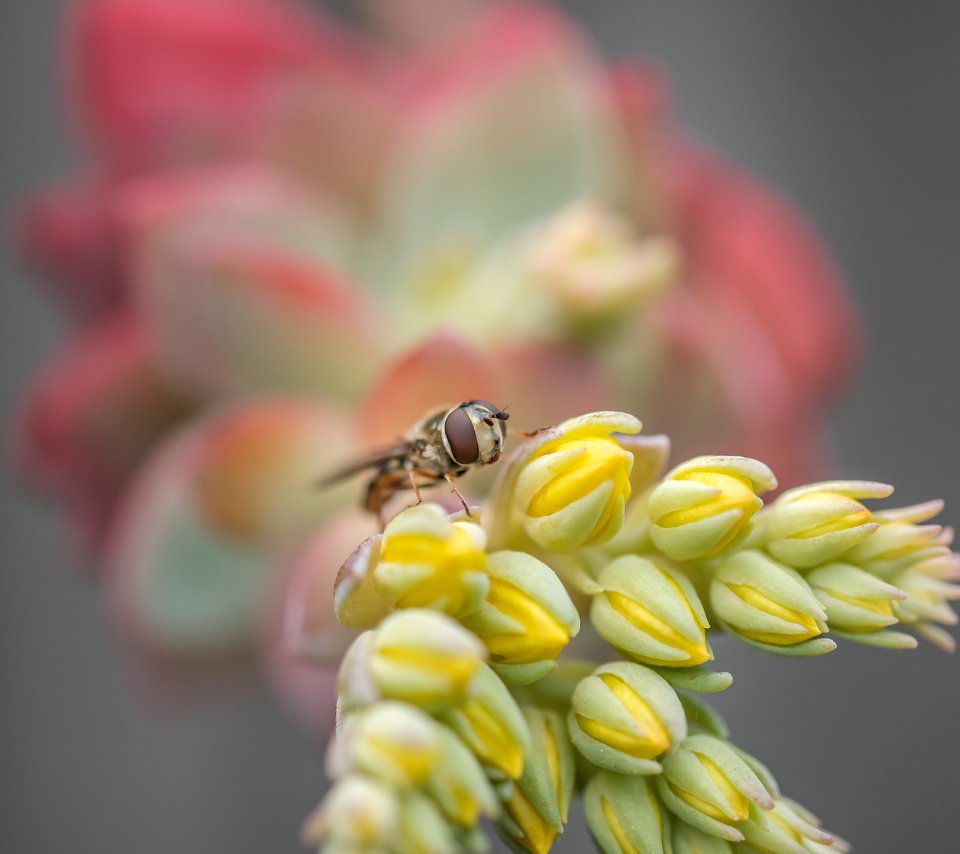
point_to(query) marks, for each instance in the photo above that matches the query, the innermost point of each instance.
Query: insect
(443, 445)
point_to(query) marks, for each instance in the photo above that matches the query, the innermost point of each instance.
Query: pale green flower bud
(816, 523)
(491, 724)
(458, 785)
(651, 613)
(623, 716)
(424, 658)
(357, 814)
(423, 827)
(899, 541)
(591, 263)
(704, 506)
(527, 618)
(391, 741)
(689, 840)
(625, 815)
(769, 605)
(858, 604)
(788, 829)
(570, 490)
(928, 590)
(709, 785)
(429, 561)
(535, 809)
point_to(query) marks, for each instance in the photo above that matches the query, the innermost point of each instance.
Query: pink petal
(160, 81)
(235, 272)
(90, 418)
(67, 233)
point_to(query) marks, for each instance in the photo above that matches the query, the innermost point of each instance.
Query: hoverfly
(441, 446)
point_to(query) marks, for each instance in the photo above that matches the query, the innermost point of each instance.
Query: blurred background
(853, 110)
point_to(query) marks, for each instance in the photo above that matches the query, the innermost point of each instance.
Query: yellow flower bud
(817, 523)
(491, 724)
(424, 658)
(391, 741)
(570, 485)
(625, 815)
(623, 716)
(710, 786)
(859, 605)
(689, 840)
(527, 618)
(458, 785)
(357, 814)
(535, 810)
(788, 827)
(651, 613)
(769, 605)
(704, 506)
(427, 561)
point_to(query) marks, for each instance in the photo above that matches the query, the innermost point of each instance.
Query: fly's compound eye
(461, 437)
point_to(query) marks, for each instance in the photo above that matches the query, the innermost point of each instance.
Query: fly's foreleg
(456, 492)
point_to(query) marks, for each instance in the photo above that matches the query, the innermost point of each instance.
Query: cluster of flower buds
(454, 707)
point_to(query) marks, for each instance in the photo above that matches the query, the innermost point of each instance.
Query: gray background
(853, 109)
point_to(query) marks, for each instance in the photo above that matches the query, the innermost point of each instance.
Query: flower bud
(651, 613)
(768, 605)
(623, 716)
(527, 618)
(816, 523)
(927, 588)
(422, 827)
(624, 815)
(357, 814)
(424, 658)
(900, 541)
(704, 506)
(858, 603)
(491, 724)
(571, 490)
(790, 829)
(427, 561)
(391, 741)
(537, 806)
(689, 840)
(458, 785)
(707, 784)
(589, 261)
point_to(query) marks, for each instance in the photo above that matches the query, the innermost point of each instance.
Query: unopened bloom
(710, 786)
(391, 741)
(458, 785)
(900, 541)
(858, 603)
(427, 561)
(816, 523)
(536, 809)
(769, 605)
(623, 716)
(928, 588)
(689, 840)
(571, 490)
(491, 724)
(651, 613)
(790, 829)
(424, 658)
(526, 619)
(625, 815)
(423, 827)
(358, 814)
(592, 264)
(705, 505)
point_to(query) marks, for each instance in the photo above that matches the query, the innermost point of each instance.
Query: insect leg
(413, 484)
(456, 491)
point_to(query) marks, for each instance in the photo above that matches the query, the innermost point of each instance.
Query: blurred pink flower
(295, 237)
